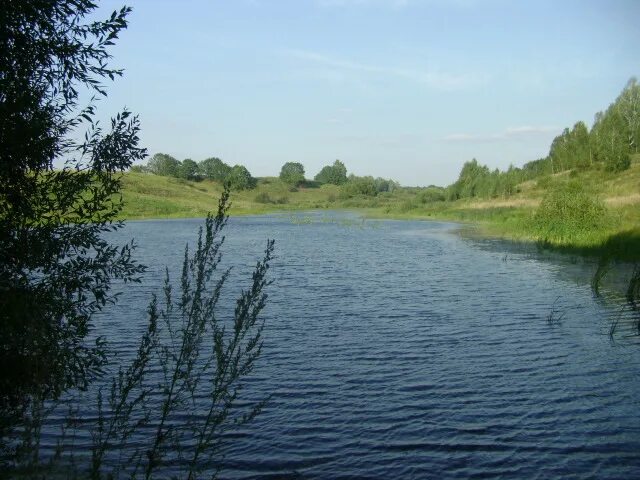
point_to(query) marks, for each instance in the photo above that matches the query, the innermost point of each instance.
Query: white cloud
(509, 133)
(435, 79)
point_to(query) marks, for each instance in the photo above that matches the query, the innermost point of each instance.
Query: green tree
(384, 185)
(292, 173)
(240, 179)
(335, 174)
(580, 147)
(609, 143)
(365, 186)
(188, 170)
(616, 131)
(614, 150)
(164, 165)
(214, 169)
(628, 106)
(56, 263)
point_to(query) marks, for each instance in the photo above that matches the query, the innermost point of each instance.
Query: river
(401, 349)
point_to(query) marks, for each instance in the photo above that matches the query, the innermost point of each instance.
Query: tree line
(237, 177)
(291, 173)
(608, 145)
(352, 185)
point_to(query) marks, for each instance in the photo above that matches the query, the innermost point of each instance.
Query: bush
(569, 212)
(356, 186)
(262, 197)
(190, 357)
(431, 195)
(240, 179)
(292, 173)
(138, 169)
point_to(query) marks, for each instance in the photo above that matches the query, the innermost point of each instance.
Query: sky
(401, 89)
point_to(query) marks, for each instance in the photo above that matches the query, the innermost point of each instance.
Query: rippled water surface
(402, 350)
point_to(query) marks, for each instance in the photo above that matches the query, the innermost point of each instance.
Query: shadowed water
(399, 349)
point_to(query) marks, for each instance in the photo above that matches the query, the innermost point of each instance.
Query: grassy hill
(151, 196)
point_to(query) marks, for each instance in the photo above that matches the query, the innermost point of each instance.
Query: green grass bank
(592, 212)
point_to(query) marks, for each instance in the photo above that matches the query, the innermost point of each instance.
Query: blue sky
(404, 89)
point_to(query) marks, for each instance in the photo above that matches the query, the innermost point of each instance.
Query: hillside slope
(152, 196)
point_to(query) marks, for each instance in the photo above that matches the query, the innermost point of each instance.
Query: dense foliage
(569, 211)
(292, 173)
(366, 186)
(335, 174)
(214, 169)
(237, 177)
(613, 137)
(59, 198)
(55, 265)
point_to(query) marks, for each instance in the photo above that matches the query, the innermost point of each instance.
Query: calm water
(403, 350)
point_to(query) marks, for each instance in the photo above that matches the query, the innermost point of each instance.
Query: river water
(401, 349)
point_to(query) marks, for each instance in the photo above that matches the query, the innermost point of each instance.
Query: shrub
(431, 195)
(364, 186)
(263, 197)
(335, 174)
(190, 359)
(138, 169)
(292, 173)
(568, 212)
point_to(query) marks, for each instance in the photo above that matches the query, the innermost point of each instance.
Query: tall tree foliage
(335, 174)
(56, 269)
(616, 131)
(214, 169)
(614, 136)
(292, 173)
(55, 265)
(239, 178)
(164, 165)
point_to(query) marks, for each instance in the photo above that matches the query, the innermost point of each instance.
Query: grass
(615, 233)
(151, 196)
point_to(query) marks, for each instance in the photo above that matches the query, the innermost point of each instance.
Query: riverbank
(617, 236)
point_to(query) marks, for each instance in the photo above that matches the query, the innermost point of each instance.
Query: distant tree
(536, 168)
(616, 131)
(139, 169)
(188, 170)
(609, 143)
(580, 147)
(355, 186)
(214, 169)
(240, 178)
(385, 185)
(164, 165)
(614, 149)
(628, 105)
(471, 176)
(432, 194)
(335, 174)
(292, 173)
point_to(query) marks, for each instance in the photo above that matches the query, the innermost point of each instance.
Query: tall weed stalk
(164, 414)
